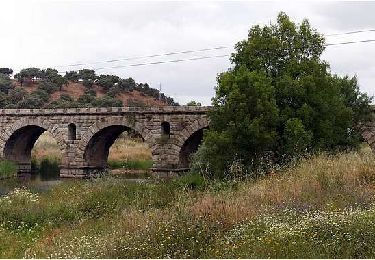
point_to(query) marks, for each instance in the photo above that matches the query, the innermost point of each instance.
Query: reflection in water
(33, 182)
(44, 181)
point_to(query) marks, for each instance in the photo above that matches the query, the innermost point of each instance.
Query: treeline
(49, 81)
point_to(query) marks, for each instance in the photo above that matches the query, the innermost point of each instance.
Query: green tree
(29, 75)
(5, 83)
(72, 75)
(194, 103)
(107, 81)
(280, 100)
(53, 76)
(87, 74)
(7, 71)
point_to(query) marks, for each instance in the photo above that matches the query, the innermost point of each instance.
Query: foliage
(52, 77)
(191, 181)
(29, 75)
(6, 71)
(280, 101)
(107, 81)
(47, 168)
(5, 83)
(65, 101)
(194, 103)
(7, 169)
(87, 74)
(72, 76)
(130, 164)
(127, 84)
(49, 81)
(15, 96)
(107, 101)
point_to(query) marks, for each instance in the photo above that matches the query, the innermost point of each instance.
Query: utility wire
(148, 56)
(207, 57)
(159, 62)
(350, 42)
(352, 32)
(182, 52)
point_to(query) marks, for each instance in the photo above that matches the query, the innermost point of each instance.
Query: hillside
(77, 89)
(36, 88)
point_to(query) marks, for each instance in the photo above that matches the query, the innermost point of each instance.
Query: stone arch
(19, 138)
(98, 138)
(189, 140)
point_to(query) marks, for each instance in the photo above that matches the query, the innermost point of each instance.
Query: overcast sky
(59, 33)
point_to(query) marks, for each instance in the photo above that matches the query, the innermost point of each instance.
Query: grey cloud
(347, 15)
(52, 33)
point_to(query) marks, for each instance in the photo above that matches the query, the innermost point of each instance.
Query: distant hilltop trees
(38, 88)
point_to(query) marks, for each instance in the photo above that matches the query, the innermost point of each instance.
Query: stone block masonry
(84, 135)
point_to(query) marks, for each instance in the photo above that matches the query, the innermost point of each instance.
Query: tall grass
(321, 208)
(7, 169)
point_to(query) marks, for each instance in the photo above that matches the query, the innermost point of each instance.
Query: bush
(191, 181)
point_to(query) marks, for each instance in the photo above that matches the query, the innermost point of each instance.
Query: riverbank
(321, 208)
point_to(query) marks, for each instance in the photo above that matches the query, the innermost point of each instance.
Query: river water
(41, 182)
(35, 183)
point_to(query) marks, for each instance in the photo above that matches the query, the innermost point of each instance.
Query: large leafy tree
(280, 100)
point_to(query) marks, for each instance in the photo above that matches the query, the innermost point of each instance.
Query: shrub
(191, 181)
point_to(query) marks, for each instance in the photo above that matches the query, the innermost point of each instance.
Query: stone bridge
(84, 135)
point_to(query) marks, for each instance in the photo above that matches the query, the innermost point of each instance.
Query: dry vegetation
(320, 208)
(123, 150)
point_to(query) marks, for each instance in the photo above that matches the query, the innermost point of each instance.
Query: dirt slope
(76, 89)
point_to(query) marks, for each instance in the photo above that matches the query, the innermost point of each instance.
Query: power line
(147, 56)
(206, 57)
(160, 62)
(350, 42)
(352, 32)
(183, 52)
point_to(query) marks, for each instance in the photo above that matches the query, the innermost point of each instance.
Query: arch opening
(72, 132)
(165, 129)
(35, 151)
(189, 147)
(118, 148)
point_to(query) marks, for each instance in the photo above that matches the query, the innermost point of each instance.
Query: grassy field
(323, 207)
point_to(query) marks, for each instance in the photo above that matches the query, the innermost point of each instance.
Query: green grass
(321, 208)
(7, 169)
(131, 164)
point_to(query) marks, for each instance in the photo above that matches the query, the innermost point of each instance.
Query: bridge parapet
(108, 110)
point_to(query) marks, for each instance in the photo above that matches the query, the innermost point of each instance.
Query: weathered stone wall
(368, 130)
(96, 129)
